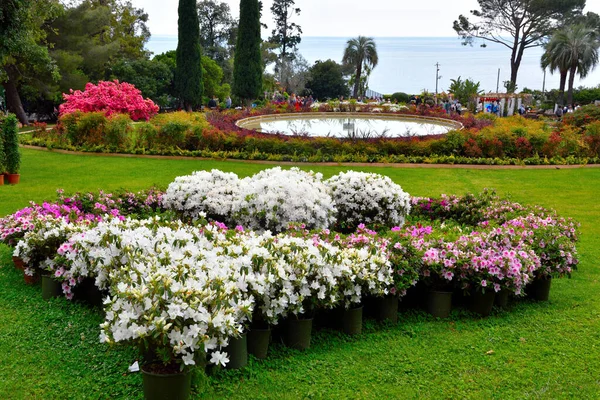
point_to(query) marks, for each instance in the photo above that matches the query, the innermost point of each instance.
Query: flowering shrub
(366, 198)
(110, 98)
(181, 290)
(41, 245)
(274, 198)
(191, 296)
(212, 193)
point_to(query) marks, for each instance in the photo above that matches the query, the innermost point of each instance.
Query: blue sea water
(407, 64)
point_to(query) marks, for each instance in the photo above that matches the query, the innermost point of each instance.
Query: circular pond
(345, 125)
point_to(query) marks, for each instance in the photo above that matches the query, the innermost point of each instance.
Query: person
(418, 101)
(228, 102)
(458, 108)
(559, 112)
(496, 108)
(479, 107)
(212, 103)
(522, 110)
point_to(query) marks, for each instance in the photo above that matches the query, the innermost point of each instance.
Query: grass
(533, 350)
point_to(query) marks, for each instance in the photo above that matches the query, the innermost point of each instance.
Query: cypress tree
(188, 74)
(247, 65)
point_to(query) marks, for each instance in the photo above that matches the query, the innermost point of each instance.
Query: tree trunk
(357, 80)
(13, 101)
(561, 89)
(571, 82)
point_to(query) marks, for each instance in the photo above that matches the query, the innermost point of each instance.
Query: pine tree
(188, 75)
(247, 65)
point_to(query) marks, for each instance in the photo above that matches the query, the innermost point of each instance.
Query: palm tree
(360, 53)
(571, 50)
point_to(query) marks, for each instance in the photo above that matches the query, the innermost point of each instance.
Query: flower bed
(182, 289)
(502, 141)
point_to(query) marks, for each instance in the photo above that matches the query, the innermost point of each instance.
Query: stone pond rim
(253, 123)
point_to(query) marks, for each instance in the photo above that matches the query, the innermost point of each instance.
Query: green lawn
(551, 350)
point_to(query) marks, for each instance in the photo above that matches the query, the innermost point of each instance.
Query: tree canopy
(188, 75)
(361, 54)
(516, 24)
(327, 80)
(247, 69)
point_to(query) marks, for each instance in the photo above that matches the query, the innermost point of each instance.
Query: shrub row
(486, 140)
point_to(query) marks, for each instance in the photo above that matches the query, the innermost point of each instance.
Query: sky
(346, 18)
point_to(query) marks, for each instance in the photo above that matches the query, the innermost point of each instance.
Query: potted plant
(173, 308)
(2, 155)
(11, 149)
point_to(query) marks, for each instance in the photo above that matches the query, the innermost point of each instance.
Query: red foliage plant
(111, 98)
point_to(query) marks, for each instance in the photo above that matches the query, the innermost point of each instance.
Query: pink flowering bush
(111, 98)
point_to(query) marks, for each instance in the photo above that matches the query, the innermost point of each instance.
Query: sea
(408, 64)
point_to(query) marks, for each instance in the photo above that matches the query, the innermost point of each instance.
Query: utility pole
(498, 82)
(544, 86)
(437, 79)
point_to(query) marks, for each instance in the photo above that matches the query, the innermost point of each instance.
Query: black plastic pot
(439, 303)
(167, 387)
(386, 308)
(482, 303)
(50, 287)
(351, 320)
(539, 289)
(297, 333)
(258, 342)
(237, 349)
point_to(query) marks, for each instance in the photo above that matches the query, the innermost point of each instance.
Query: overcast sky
(346, 17)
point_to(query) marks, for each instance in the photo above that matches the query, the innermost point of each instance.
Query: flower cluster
(213, 193)
(368, 198)
(269, 200)
(274, 198)
(182, 289)
(111, 98)
(239, 271)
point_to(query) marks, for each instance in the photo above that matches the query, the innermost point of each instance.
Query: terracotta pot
(19, 264)
(13, 179)
(32, 279)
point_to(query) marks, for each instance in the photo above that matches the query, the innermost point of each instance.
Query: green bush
(147, 135)
(583, 116)
(11, 144)
(400, 97)
(592, 138)
(173, 134)
(85, 129)
(117, 131)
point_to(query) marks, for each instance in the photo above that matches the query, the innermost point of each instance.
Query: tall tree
(572, 50)
(286, 34)
(516, 24)
(247, 66)
(89, 38)
(23, 52)
(216, 26)
(327, 80)
(188, 75)
(360, 52)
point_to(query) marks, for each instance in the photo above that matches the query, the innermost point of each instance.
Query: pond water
(357, 127)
